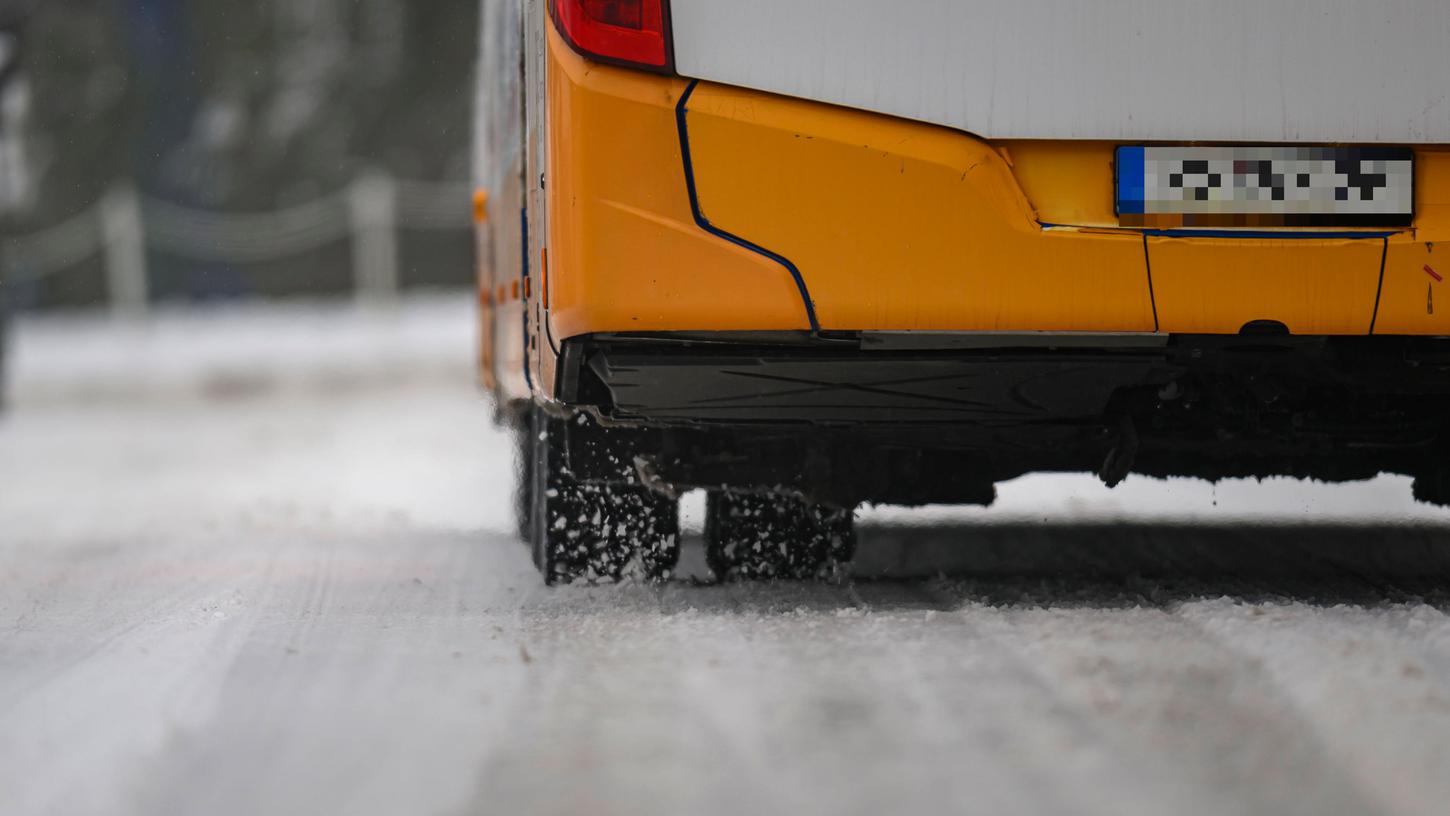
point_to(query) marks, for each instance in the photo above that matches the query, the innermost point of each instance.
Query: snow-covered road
(258, 561)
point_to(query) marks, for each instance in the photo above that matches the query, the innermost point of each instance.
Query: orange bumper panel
(680, 206)
(901, 226)
(625, 253)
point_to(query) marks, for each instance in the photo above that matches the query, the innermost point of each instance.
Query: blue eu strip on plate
(1129, 164)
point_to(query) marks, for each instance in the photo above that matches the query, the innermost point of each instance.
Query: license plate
(1265, 186)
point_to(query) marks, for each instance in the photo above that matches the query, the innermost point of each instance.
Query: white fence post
(372, 206)
(124, 240)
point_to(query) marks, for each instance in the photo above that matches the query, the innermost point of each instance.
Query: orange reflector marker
(480, 206)
(515, 289)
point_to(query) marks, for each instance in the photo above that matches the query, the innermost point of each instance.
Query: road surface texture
(257, 561)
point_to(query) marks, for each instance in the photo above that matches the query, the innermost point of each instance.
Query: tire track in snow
(372, 677)
(95, 719)
(1175, 707)
(1369, 682)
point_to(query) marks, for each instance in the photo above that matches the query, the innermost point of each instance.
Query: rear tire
(594, 532)
(751, 537)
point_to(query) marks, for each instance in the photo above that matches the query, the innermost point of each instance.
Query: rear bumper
(995, 381)
(942, 417)
(875, 378)
(676, 206)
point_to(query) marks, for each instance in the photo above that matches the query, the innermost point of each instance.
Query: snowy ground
(258, 561)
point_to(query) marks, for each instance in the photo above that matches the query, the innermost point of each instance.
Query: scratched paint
(1272, 70)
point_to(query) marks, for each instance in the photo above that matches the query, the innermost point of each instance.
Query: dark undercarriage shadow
(1111, 565)
(1154, 548)
(1160, 562)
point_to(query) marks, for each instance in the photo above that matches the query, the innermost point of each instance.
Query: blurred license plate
(1265, 186)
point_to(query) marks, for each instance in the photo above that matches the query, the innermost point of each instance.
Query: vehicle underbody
(801, 423)
(916, 419)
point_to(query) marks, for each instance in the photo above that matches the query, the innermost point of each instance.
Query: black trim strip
(1191, 232)
(523, 301)
(1148, 268)
(1384, 255)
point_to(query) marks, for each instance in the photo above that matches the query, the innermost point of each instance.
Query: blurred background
(186, 151)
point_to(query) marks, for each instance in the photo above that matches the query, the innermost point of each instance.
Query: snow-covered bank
(238, 349)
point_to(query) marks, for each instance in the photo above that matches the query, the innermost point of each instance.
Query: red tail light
(635, 33)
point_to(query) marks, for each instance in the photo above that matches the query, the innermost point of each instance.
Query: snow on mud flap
(593, 530)
(751, 536)
(588, 516)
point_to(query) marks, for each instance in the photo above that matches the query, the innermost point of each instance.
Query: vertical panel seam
(681, 109)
